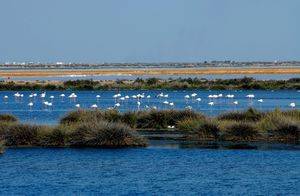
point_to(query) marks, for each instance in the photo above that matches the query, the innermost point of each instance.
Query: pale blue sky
(149, 30)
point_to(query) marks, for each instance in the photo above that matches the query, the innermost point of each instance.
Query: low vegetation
(155, 83)
(89, 133)
(86, 128)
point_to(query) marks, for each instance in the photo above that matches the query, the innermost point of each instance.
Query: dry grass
(185, 71)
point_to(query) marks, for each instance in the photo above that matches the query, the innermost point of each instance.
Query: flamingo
(30, 104)
(138, 104)
(250, 96)
(188, 107)
(230, 96)
(194, 95)
(94, 106)
(260, 100)
(43, 95)
(292, 105)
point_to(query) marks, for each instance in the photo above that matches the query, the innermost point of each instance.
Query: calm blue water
(153, 171)
(49, 115)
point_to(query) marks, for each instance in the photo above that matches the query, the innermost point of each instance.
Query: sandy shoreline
(154, 72)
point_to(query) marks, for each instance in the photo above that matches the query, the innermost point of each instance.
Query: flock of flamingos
(119, 99)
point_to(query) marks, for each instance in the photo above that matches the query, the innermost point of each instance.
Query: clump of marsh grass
(55, 137)
(2, 147)
(200, 128)
(281, 125)
(8, 118)
(130, 119)
(248, 115)
(22, 134)
(240, 131)
(154, 119)
(90, 116)
(104, 134)
(188, 125)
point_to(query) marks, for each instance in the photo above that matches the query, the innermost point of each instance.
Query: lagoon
(153, 170)
(38, 113)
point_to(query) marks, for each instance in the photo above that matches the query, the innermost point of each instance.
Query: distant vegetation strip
(110, 128)
(246, 83)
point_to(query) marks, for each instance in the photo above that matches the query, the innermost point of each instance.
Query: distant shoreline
(146, 71)
(245, 83)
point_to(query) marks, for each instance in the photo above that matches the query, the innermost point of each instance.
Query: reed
(95, 128)
(7, 118)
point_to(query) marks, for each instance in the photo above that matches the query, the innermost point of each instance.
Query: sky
(97, 31)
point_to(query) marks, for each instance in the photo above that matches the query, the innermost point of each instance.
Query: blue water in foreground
(38, 113)
(155, 171)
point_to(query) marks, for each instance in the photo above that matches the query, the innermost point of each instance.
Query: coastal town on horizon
(214, 63)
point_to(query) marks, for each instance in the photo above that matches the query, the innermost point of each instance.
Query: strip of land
(111, 128)
(179, 71)
(245, 83)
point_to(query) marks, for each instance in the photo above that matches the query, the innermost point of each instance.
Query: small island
(113, 129)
